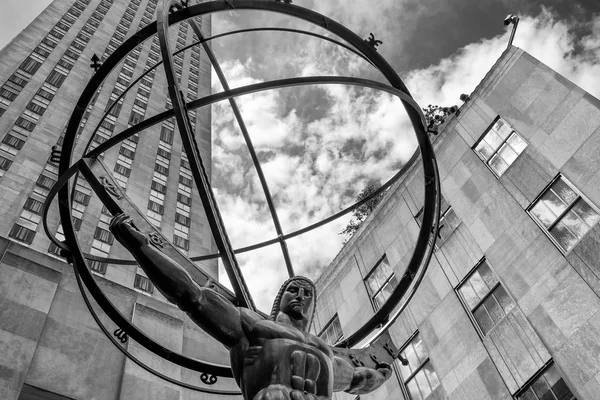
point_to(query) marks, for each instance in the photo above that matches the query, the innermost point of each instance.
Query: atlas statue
(271, 359)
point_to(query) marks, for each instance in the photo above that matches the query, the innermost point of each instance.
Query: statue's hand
(126, 233)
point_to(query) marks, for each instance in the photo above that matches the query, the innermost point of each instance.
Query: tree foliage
(436, 115)
(363, 211)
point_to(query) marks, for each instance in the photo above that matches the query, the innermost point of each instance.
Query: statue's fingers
(313, 367)
(298, 364)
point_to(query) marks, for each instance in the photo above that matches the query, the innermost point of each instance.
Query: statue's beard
(296, 312)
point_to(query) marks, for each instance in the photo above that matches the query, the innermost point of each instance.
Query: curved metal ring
(134, 358)
(307, 15)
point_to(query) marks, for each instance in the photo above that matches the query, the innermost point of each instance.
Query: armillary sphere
(91, 167)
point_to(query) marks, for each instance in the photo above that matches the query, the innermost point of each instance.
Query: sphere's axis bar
(201, 178)
(248, 140)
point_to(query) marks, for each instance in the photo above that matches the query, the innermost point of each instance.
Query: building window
(500, 146)
(563, 213)
(381, 282)
(419, 376)
(55, 78)
(182, 198)
(143, 283)
(180, 242)
(182, 219)
(5, 163)
(45, 182)
(549, 385)
(97, 266)
(166, 135)
(332, 332)
(21, 234)
(448, 221)
(81, 198)
(485, 297)
(103, 235)
(34, 206)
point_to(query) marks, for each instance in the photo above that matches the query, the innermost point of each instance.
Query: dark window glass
(36, 108)
(419, 377)
(164, 153)
(143, 283)
(22, 234)
(13, 141)
(17, 81)
(332, 332)
(5, 163)
(34, 206)
(182, 219)
(185, 164)
(485, 297)
(157, 208)
(45, 94)
(381, 282)
(45, 182)
(181, 242)
(30, 65)
(166, 135)
(41, 51)
(123, 170)
(7, 94)
(161, 169)
(135, 118)
(549, 385)
(103, 235)
(49, 43)
(65, 64)
(97, 266)
(185, 181)
(564, 214)
(160, 188)
(182, 198)
(81, 198)
(107, 125)
(55, 78)
(127, 152)
(25, 124)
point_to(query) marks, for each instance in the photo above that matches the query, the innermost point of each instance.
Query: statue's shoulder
(250, 318)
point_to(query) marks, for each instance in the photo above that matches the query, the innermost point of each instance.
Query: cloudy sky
(320, 145)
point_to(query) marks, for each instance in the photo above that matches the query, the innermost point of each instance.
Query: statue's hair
(277, 301)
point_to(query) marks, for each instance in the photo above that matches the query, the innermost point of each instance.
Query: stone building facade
(508, 308)
(50, 346)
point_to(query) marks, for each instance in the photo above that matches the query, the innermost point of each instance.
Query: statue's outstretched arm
(358, 380)
(208, 309)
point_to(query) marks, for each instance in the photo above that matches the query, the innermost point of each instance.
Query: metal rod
(240, 120)
(199, 172)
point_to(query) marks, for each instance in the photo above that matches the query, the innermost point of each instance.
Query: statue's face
(298, 300)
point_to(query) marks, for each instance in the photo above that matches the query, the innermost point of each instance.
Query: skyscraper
(50, 348)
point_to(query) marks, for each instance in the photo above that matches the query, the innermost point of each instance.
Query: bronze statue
(275, 359)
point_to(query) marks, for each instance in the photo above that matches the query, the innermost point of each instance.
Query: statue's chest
(268, 330)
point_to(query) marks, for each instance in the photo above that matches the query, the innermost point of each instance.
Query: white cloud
(360, 135)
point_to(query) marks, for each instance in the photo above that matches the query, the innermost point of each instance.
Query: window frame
(580, 196)
(385, 283)
(328, 325)
(531, 381)
(405, 380)
(471, 310)
(497, 150)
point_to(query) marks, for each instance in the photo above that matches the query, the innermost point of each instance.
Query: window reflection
(485, 297)
(500, 146)
(564, 214)
(419, 375)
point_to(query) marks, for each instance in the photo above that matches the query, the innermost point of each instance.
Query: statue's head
(296, 299)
